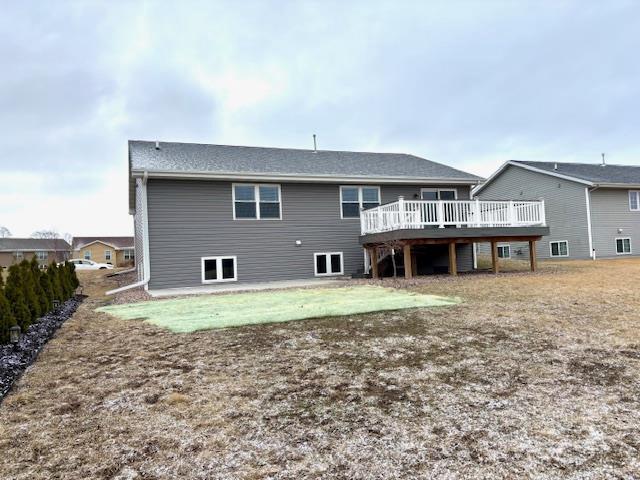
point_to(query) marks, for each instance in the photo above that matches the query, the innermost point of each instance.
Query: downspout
(145, 244)
(145, 233)
(587, 194)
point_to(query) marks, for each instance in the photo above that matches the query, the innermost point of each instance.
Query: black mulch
(14, 360)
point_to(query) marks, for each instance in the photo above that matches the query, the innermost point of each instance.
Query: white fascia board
(624, 186)
(292, 178)
(532, 169)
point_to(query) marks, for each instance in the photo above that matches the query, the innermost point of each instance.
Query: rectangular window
(623, 246)
(256, 202)
(327, 264)
(129, 254)
(634, 200)
(354, 198)
(107, 255)
(438, 193)
(87, 254)
(219, 269)
(504, 251)
(559, 248)
(42, 256)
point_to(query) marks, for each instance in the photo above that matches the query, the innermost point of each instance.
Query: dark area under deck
(413, 243)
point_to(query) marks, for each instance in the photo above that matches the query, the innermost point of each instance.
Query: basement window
(327, 264)
(504, 251)
(559, 248)
(219, 269)
(623, 246)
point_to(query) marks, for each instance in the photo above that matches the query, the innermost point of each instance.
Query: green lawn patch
(184, 315)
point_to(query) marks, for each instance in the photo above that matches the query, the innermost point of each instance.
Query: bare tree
(54, 244)
(68, 238)
(4, 232)
(393, 246)
(45, 234)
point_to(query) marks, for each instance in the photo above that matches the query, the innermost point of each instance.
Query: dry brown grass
(535, 375)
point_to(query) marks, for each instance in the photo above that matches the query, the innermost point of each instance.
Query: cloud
(465, 83)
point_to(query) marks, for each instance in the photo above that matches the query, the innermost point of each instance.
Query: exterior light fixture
(56, 304)
(620, 230)
(298, 243)
(14, 335)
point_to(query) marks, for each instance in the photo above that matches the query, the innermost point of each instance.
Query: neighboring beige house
(46, 250)
(117, 251)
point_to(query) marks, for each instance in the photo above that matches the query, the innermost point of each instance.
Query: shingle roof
(33, 244)
(184, 158)
(117, 242)
(591, 172)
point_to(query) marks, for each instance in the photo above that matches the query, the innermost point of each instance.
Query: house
(117, 251)
(46, 250)
(209, 214)
(593, 210)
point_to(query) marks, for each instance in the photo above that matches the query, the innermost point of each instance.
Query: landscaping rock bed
(14, 360)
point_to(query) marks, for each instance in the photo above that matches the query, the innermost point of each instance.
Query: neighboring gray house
(206, 214)
(591, 209)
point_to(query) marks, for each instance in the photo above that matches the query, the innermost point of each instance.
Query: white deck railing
(405, 214)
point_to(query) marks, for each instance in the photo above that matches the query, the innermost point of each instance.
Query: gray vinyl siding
(609, 213)
(565, 208)
(190, 219)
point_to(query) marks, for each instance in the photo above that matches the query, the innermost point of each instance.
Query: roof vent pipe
(603, 161)
(555, 166)
(315, 146)
(157, 145)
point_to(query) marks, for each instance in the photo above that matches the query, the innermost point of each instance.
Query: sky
(467, 83)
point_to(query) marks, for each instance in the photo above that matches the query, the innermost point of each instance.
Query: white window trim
(360, 202)
(105, 255)
(438, 190)
(623, 252)
(42, 255)
(637, 192)
(129, 254)
(256, 194)
(18, 255)
(328, 255)
(551, 255)
(84, 255)
(508, 245)
(219, 268)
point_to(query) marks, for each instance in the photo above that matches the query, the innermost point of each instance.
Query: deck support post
(408, 264)
(373, 256)
(414, 264)
(494, 256)
(453, 262)
(532, 255)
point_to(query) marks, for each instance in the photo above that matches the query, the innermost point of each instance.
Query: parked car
(82, 264)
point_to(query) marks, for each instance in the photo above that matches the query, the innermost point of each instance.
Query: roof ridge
(320, 150)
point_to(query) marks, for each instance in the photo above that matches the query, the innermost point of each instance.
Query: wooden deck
(406, 239)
